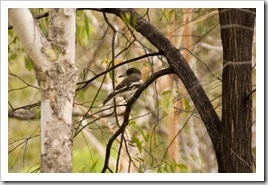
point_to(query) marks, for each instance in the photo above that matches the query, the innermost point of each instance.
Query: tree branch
(36, 45)
(180, 66)
(85, 83)
(128, 110)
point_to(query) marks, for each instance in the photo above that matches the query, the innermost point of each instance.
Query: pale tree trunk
(187, 43)
(54, 63)
(174, 117)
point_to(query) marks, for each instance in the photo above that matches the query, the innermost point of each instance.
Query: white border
(258, 176)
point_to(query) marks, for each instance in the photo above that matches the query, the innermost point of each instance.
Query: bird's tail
(107, 99)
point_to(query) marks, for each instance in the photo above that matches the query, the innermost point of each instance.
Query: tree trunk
(237, 29)
(57, 86)
(232, 138)
(54, 64)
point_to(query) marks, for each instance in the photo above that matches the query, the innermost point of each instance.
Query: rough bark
(54, 64)
(237, 29)
(57, 86)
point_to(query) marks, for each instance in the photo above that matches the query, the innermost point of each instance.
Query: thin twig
(85, 83)
(128, 110)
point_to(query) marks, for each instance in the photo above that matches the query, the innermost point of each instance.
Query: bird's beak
(123, 75)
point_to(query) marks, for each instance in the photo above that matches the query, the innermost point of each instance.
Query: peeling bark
(54, 64)
(57, 86)
(57, 92)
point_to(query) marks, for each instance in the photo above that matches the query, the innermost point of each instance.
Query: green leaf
(94, 165)
(38, 113)
(140, 130)
(10, 33)
(125, 17)
(131, 122)
(186, 107)
(86, 24)
(169, 14)
(81, 95)
(173, 166)
(166, 100)
(182, 167)
(28, 63)
(140, 159)
(134, 21)
(105, 61)
(111, 74)
(138, 143)
(140, 169)
(13, 56)
(166, 92)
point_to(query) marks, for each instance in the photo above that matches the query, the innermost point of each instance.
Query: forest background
(148, 132)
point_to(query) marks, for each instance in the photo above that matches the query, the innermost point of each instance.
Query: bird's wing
(125, 85)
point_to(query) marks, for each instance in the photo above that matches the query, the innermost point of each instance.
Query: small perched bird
(127, 86)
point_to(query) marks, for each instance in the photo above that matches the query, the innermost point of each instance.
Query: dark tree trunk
(237, 29)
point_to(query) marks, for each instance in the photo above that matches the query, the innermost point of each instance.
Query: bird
(127, 86)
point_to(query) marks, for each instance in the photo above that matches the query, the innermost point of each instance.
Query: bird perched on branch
(127, 86)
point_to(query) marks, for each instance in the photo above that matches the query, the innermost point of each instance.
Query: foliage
(144, 145)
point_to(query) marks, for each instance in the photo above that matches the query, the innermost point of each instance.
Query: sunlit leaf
(132, 122)
(166, 92)
(105, 61)
(117, 62)
(186, 107)
(125, 17)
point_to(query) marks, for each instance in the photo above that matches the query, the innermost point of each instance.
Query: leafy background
(147, 132)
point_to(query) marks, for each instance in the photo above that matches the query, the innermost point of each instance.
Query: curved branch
(128, 110)
(180, 66)
(31, 37)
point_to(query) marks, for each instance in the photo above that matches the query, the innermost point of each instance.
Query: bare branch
(85, 83)
(178, 63)
(128, 110)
